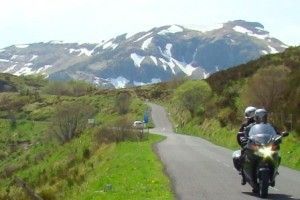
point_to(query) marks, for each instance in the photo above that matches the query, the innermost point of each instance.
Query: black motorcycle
(261, 158)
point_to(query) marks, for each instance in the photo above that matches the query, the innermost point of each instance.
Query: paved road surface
(201, 170)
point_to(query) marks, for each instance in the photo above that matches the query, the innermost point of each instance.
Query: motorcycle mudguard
(262, 172)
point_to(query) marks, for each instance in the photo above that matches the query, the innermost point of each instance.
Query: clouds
(94, 20)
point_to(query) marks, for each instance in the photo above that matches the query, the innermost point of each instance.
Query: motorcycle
(261, 158)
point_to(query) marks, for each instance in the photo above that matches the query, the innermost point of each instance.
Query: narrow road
(201, 170)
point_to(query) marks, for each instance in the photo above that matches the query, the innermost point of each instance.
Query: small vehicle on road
(138, 124)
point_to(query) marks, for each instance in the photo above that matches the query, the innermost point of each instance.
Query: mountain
(146, 57)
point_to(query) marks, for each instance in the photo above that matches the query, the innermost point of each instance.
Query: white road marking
(226, 164)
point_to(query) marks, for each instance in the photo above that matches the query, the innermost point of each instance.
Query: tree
(70, 119)
(193, 95)
(267, 88)
(123, 101)
(12, 104)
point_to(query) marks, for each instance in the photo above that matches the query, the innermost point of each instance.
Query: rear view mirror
(284, 133)
(277, 140)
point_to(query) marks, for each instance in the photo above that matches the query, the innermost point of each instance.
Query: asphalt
(199, 169)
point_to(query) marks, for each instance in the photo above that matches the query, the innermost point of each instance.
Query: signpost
(146, 118)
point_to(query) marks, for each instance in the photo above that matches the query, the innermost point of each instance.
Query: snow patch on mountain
(110, 44)
(56, 42)
(11, 68)
(82, 51)
(42, 69)
(4, 60)
(204, 28)
(186, 68)
(146, 43)
(136, 83)
(24, 71)
(249, 32)
(167, 64)
(272, 49)
(144, 36)
(154, 59)
(284, 46)
(14, 57)
(129, 35)
(21, 46)
(96, 80)
(163, 61)
(119, 82)
(264, 52)
(171, 29)
(33, 57)
(168, 50)
(137, 59)
(205, 75)
(153, 80)
(28, 64)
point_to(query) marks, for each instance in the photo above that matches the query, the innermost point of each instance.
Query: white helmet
(250, 112)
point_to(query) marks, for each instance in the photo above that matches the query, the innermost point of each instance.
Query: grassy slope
(64, 171)
(128, 170)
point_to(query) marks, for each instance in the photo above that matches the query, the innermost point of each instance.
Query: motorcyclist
(249, 116)
(242, 139)
(260, 116)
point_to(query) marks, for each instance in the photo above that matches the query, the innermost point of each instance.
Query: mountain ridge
(146, 57)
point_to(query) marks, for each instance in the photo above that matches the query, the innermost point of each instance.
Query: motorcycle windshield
(262, 133)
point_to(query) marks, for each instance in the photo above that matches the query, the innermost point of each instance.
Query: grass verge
(128, 170)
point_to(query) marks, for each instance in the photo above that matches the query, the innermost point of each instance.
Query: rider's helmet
(261, 116)
(250, 112)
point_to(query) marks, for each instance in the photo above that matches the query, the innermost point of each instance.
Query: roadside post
(146, 119)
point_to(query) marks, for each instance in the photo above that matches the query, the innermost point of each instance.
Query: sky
(29, 21)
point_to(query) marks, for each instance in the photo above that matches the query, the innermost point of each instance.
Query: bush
(70, 88)
(9, 170)
(86, 153)
(70, 119)
(122, 103)
(191, 95)
(123, 131)
(3, 155)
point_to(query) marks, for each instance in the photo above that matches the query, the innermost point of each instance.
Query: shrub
(122, 103)
(3, 155)
(9, 170)
(123, 131)
(192, 94)
(70, 88)
(86, 153)
(267, 88)
(70, 119)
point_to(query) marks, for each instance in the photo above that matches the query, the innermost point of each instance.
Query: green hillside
(214, 108)
(70, 140)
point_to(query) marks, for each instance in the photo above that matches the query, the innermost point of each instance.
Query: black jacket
(241, 137)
